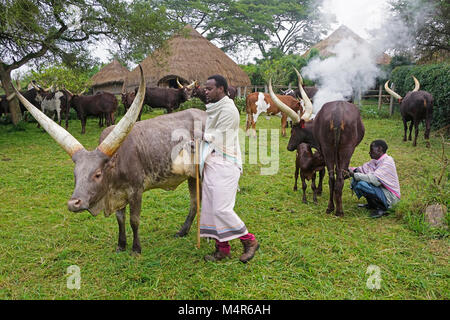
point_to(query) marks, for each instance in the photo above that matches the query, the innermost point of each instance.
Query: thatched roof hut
(187, 58)
(325, 46)
(110, 78)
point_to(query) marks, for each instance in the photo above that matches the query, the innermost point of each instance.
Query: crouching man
(377, 180)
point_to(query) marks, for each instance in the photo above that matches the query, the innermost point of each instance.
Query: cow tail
(337, 139)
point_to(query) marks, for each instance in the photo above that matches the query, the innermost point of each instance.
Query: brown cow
(308, 163)
(258, 102)
(335, 131)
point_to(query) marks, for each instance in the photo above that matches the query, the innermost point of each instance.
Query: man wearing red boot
(221, 173)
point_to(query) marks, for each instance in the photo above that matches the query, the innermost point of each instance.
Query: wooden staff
(197, 165)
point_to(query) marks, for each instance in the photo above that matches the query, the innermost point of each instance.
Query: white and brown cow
(258, 102)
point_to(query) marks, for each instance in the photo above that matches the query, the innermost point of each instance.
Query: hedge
(434, 78)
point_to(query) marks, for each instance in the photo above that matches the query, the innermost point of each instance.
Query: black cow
(104, 103)
(416, 106)
(167, 98)
(127, 100)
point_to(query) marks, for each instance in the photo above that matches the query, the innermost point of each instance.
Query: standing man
(221, 173)
(377, 180)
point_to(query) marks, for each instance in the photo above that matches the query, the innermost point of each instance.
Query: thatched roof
(109, 74)
(325, 46)
(188, 58)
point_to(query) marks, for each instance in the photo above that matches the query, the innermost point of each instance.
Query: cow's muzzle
(76, 205)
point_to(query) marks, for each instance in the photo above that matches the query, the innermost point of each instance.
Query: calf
(308, 164)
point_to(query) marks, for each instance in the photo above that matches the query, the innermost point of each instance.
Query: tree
(60, 31)
(429, 21)
(287, 25)
(198, 13)
(279, 68)
(73, 79)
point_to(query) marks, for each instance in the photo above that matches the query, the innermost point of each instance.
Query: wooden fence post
(380, 91)
(265, 88)
(239, 92)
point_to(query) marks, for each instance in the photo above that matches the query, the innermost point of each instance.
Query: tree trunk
(5, 76)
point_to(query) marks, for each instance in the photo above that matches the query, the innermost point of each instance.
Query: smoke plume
(350, 70)
(353, 66)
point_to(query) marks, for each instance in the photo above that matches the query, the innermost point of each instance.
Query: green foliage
(198, 104)
(428, 21)
(286, 25)
(434, 78)
(62, 31)
(279, 68)
(75, 80)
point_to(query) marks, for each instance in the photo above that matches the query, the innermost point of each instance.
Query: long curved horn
(179, 84)
(112, 142)
(61, 136)
(34, 86)
(68, 91)
(289, 112)
(11, 96)
(416, 84)
(192, 84)
(308, 105)
(391, 92)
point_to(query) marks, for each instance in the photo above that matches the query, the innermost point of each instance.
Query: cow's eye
(98, 174)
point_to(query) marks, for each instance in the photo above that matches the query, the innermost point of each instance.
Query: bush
(198, 104)
(434, 78)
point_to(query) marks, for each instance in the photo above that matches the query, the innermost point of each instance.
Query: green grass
(305, 253)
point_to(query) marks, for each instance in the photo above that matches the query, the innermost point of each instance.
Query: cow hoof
(136, 251)
(180, 234)
(295, 188)
(120, 249)
(329, 210)
(304, 201)
(339, 214)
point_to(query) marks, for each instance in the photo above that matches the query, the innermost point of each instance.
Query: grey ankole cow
(132, 157)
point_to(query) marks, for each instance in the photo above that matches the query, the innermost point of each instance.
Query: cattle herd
(135, 156)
